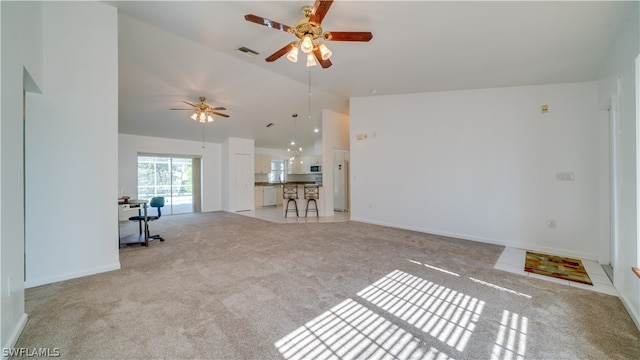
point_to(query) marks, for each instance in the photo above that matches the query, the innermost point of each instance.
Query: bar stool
(290, 193)
(311, 193)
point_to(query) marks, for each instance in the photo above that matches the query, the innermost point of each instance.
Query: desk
(142, 239)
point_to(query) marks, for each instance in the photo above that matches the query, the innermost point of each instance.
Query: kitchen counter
(288, 182)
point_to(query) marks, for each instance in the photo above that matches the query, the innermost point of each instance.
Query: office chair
(156, 202)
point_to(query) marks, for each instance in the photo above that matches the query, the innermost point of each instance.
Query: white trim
(15, 334)
(50, 280)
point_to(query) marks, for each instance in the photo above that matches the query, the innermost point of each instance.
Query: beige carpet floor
(226, 286)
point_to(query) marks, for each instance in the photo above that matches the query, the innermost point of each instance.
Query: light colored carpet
(226, 286)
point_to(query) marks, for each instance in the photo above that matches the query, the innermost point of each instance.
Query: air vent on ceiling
(247, 51)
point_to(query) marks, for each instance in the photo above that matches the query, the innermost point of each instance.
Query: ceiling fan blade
(320, 9)
(268, 23)
(347, 36)
(219, 108)
(181, 109)
(285, 49)
(220, 114)
(188, 103)
(324, 63)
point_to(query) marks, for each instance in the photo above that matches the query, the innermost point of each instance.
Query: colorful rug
(557, 267)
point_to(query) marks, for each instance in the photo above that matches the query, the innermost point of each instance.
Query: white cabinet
(258, 196)
(262, 163)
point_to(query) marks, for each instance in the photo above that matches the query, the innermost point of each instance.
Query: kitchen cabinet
(258, 196)
(262, 163)
(279, 195)
(316, 160)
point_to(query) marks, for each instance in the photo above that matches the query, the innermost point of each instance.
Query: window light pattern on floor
(443, 313)
(352, 331)
(511, 340)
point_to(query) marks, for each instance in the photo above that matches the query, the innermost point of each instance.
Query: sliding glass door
(171, 177)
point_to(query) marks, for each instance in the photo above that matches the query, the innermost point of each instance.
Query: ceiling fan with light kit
(307, 30)
(203, 112)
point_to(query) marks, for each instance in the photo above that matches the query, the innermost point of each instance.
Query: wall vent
(247, 51)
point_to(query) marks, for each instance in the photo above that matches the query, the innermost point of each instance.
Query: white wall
(130, 145)
(335, 135)
(21, 51)
(481, 165)
(71, 147)
(619, 77)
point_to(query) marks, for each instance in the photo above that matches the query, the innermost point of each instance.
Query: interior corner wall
(71, 147)
(211, 178)
(335, 135)
(20, 53)
(619, 76)
(482, 165)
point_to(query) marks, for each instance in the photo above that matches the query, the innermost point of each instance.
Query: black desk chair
(158, 203)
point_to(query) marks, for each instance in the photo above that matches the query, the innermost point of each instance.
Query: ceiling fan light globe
(209, 118)
(306, 45)
(293, 54)
(325, 53)
(311, 61)
(203, 117)
(194, 116)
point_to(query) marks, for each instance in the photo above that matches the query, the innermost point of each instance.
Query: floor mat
(556, 266)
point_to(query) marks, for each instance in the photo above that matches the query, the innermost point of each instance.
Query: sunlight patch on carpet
(557, 267)
(351, 331)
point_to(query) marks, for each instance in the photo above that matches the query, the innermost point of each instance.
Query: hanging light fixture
(203, 112)
(293, 54)
(295, 153)
(325, 53)
(308, 32)
(311, 60)
(306, 45)
(201, 116)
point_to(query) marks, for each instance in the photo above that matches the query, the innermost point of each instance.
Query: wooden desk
(142, 239)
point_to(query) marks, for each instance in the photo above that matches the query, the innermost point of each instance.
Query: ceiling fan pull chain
(309, 92)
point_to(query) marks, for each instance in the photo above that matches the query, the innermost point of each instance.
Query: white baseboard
(15, 334)
(44, 281)
(635, 316)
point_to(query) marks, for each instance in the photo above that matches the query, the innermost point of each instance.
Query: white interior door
(243, 182)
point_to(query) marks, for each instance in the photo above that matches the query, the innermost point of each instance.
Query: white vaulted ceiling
(171, 51)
